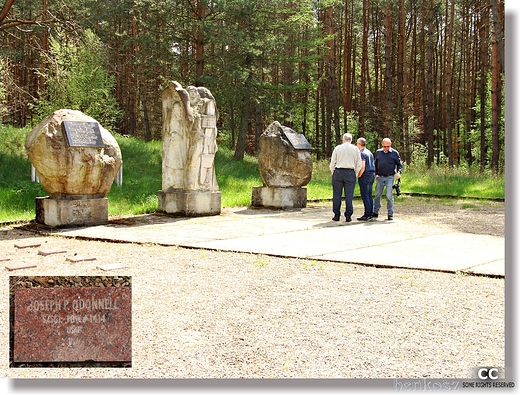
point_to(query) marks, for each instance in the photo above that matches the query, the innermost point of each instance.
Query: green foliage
(461, 181)
(17, 192)
(78, 80)
(142, 179)
(236, 178)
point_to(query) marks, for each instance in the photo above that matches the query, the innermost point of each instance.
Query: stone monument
(76, 161)
(189, 183)
(285, 166)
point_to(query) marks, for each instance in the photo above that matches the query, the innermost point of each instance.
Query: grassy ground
(142, 179)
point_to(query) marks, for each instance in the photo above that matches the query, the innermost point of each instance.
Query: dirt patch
(214, 314)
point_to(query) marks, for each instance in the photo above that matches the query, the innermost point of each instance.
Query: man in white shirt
(345, 165)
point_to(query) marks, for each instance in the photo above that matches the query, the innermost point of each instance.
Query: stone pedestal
(279, 197)
(71, 212)
(190, 204)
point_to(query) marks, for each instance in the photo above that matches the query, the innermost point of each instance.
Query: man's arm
(333, 160)
(375, 163)
(363, 165)
(399, 166)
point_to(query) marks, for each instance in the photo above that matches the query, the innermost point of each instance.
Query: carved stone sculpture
(189, 138)
(189, 145)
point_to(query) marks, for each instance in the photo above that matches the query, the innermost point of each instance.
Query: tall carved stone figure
(189, 138)
(189, 183)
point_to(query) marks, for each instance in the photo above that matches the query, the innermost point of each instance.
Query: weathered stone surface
(51, 251)
(189, 138)
(279, 163)
(190, 204)
(80, 258)
(73, 324)
(189, 183)
(63, 170)
(275, 197)
(71, 212)
(26, 244)
(20, 266)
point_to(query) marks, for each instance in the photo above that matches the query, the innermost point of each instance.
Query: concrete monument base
(278, 197)
(190, 204)
(71, 212)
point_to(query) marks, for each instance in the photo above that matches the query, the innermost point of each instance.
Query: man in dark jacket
(388, 165)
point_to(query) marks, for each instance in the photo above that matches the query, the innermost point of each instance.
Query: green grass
(457, 182)
(142, 179)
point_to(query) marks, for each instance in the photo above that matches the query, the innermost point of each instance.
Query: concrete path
(310, 233)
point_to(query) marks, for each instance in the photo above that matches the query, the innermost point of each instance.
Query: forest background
(429, 74)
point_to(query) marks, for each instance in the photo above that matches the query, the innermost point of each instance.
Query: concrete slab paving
(309, 233)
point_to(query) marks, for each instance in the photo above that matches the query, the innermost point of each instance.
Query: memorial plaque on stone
(208, 121)
(298, 141)
(83, 134)
(72, 324)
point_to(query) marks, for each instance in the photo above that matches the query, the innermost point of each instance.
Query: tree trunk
(245, 117)
(389, 124)
(496, 82)
(449, 83)
(429, 84)
(483, 51)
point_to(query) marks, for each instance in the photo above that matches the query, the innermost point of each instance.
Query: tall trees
(427, 73)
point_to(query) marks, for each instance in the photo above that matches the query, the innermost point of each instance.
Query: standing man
(366, 178)
(388, 163)
(345, 165)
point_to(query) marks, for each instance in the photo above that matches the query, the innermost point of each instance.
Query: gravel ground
(210, 314)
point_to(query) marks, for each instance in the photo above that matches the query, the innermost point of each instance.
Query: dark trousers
(343, 180)
(366, 181)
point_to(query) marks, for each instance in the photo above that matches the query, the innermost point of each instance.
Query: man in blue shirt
(388, 164)
(366, 178)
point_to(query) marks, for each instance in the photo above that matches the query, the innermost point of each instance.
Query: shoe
(375, 215)
(336, 218)
(349, 219)
(363, 218)
(390, 217)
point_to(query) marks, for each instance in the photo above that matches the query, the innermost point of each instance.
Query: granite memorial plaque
(83, 134)
(72, 324)
(298, 141)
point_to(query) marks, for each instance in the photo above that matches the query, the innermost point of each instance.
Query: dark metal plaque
(298, 141)
(83, 134)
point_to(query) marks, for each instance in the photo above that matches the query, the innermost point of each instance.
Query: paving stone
(113, 266)
(51, 251)
(27, 244)
(19, 266)
(80, 258)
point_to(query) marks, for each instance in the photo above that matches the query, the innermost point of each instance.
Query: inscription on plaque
(73, 324)
(208, 121)
(298, 141)
(83, 134)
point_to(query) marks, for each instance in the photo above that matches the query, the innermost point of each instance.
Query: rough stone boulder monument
(76, 161)
(285, 166)
(189, 183)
